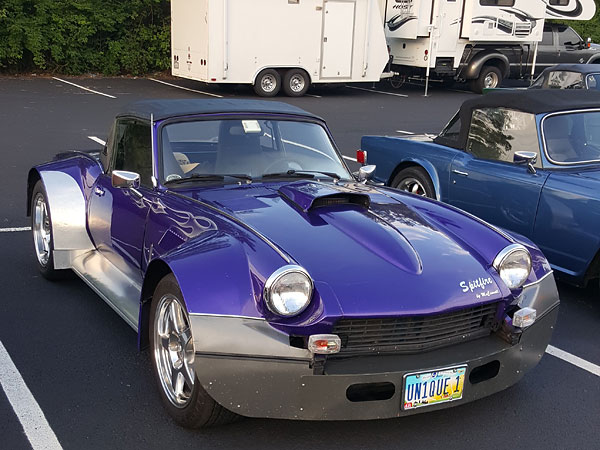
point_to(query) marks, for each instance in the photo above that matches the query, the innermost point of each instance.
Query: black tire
(199, 410)
(295, 83)
(410, 177)
(490, 77)
(267, 83)
(45, 261)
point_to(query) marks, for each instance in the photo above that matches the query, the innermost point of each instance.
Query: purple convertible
(269, 281)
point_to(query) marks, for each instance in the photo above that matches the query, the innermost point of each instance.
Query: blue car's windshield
(249, 147)
(573, 138)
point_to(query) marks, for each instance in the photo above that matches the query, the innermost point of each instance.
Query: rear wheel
(267, 83)
(173, 360)
(414, 180)
(41, 228)
(295, 83)
(489, 78)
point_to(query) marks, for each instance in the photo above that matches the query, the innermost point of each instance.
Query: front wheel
(41, 228)
(173, 359)
(414, 180)
(295, 83)
(267, 83)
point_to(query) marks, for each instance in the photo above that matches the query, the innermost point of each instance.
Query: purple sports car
(269, 281)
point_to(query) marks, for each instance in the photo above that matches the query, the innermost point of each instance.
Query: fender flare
(480, 60)
(594, 59)
(68, 215)
(425, 165)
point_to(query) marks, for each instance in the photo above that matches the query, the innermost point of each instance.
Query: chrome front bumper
(250, 368)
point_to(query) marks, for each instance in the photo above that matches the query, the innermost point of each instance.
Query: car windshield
(573, 138)
(247, 148)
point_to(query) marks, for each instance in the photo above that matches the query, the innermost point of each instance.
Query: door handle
(458, 172)
(99, 191)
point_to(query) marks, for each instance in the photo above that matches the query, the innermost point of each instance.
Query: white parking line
(575, 360)
(13, 230)
(184, 88)
(404, 132)
(349, 158)
(84, 88)
(97, 139)
(377, 92)
(313, 95)
(34, 423)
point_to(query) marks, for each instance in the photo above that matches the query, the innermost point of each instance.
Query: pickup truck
(486, 66)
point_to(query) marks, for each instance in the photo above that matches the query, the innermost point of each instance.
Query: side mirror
(124, 179)
(588, 42)
(366, 173)
(526, 158)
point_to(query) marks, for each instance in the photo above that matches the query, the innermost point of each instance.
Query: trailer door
(338, 37)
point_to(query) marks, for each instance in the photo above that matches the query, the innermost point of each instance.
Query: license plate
(430, 388)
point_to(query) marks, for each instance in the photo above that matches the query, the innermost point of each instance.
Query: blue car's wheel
(173, 354)
(414, 180)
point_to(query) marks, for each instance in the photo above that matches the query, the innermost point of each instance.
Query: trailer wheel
(295, 83)
(267, 83)
(490, 77)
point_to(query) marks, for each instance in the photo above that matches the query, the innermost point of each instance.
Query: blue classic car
(526, 161)
(268, 281)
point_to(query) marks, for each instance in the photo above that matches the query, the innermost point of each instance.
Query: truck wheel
(295, 83)
(173, 358)
(267, 83)
(489, 78)
(414, 180)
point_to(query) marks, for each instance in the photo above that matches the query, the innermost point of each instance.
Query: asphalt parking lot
(80, 362)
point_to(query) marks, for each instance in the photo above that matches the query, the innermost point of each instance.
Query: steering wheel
(289, 164)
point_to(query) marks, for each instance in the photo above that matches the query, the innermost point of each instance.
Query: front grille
(415, 333)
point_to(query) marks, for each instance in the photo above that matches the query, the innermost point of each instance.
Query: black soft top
(164, 109)
(581, 68)
(535, 101)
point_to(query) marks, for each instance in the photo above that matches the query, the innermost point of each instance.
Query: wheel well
(32, 179)
(401, 167)
(498, 63)
(156, 271)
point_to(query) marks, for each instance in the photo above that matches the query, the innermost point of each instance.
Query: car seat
(239, 152)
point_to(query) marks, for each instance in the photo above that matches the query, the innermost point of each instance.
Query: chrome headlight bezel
(505, 256)
(279, 277)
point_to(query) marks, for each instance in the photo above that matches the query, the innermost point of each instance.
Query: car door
(117, 216)
(486, 182)
(570, 46)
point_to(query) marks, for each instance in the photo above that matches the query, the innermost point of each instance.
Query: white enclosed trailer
(443, 36)
(275, 44)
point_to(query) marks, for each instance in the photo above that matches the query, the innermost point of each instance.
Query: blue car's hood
(368, 253)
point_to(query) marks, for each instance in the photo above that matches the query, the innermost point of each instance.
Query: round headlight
(513, 264)
(288, 290)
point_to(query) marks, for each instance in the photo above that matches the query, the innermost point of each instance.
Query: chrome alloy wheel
(42, 231)
(268, 83)
(297, 83)
(413, 186)
(174, 351)
(491, 80)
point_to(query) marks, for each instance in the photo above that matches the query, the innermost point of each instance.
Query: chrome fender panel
(68, 214)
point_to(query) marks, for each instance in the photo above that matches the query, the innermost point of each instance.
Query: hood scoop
(308, 196)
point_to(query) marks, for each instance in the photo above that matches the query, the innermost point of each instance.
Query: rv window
(497, 2)
(498, 133)
(559, 2)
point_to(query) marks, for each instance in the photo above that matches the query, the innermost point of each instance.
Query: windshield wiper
(208, 177)
(301, 174)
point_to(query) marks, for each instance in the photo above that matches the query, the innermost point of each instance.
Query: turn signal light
(524, 317)
(361, 156)
(324, 344)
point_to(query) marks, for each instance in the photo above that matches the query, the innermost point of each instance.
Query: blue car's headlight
(513, 264)
(288, 290)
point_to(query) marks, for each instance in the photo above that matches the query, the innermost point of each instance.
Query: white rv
(274, 44)
(481, 41)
